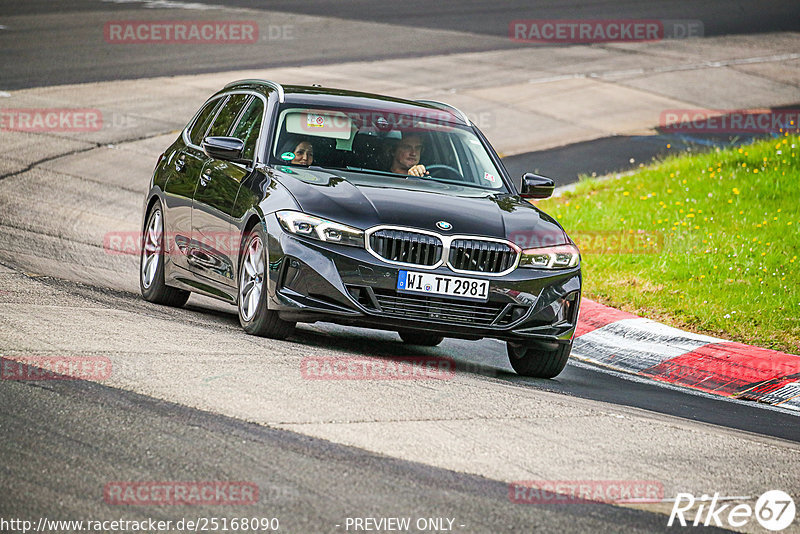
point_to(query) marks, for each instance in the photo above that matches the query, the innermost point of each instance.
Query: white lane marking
(791, 404)
(3, 27)
(689, 391)
(557, 78)
(670, 68)
(167, 4)
(4, 94)
(639, 326)
(730, 498)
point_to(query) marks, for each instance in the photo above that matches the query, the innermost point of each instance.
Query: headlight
(306, 225)
(559, 257)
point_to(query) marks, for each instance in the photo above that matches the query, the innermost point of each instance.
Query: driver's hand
(417, 170)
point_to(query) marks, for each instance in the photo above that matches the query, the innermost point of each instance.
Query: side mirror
(535, 186)
(224, 148)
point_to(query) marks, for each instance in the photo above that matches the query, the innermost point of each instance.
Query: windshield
(418, 143)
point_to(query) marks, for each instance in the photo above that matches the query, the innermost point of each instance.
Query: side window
(249, 126)
(230, 110)
(203, 118)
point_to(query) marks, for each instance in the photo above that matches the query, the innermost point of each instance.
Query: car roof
(324, 96)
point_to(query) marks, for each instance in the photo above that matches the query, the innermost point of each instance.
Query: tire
(151, 263)
(254, 314)
(424, 339)
(538, 362)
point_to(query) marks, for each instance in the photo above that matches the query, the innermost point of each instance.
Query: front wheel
(254, 315)
(538, 362)
(151, 264)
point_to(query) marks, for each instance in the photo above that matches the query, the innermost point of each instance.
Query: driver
(405, 156)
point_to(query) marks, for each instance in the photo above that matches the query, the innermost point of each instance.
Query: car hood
(363, 201)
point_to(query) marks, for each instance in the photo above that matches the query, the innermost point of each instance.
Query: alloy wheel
(251, 281)
(151, 251)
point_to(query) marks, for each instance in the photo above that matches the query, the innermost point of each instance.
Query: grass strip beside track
(706, 242)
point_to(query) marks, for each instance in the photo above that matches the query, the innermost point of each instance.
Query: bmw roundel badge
(444, 225)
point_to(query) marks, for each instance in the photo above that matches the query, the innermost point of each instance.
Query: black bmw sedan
(304, 204)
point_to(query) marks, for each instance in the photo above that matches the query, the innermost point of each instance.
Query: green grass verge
(707, 242)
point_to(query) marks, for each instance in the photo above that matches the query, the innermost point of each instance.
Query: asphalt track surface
(66, 44)
(64, 440)
(310, 485)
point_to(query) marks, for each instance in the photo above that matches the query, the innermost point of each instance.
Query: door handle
(180, 163)
(204, 179)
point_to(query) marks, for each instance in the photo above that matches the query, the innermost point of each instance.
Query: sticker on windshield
(314, 120)
(488, 177)
(287, 156)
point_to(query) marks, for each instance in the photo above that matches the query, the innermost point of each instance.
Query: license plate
(438, 284)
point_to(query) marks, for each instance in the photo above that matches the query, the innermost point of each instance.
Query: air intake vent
(425, 308)
(406, 247)
(481, 256)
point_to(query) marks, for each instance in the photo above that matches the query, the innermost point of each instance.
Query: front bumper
(315, 281)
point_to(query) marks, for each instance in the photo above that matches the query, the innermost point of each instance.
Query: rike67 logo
(774, 510)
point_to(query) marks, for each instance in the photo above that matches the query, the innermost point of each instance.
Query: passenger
(301, 149)
(405, 156)
(303, 153)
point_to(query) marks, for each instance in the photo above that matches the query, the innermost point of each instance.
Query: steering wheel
(444, 171)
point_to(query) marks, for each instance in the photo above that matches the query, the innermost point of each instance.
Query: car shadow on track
(377, 343)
